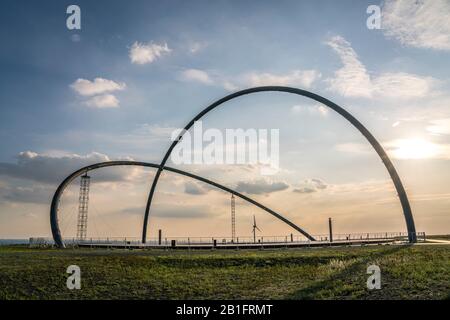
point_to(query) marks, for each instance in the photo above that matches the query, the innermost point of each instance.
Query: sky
(135, 71)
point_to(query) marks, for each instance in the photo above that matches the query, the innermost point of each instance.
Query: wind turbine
(255, 227)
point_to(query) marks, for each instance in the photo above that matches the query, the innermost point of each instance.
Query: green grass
(407, 272)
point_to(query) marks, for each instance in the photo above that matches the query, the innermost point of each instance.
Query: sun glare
(415, 148)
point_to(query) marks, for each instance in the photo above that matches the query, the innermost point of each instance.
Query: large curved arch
(59, 191)
(358, 125)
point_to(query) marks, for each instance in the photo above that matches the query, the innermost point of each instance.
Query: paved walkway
(438, 241)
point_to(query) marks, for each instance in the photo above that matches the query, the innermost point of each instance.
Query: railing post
(330, 227)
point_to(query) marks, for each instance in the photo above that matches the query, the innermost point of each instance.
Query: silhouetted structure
(83, 203)
(358, 125)
(54, 207)
(412, 237)
(255, 227)
(233, 219)
(330, 229)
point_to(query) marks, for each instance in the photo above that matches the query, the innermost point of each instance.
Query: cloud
(402, 85)
(312, 110)
(52, 169)
(196, 75)
(143, 53)
(296, 78)
(103, 101)
(194, 188)
(317, 183)
(440, 126)
(420, 24)
(99, 86)
(40, 194)
(305, 190)
(353, 79)
(260, 186)
(230, 86)
(99, 91)
(310, 186)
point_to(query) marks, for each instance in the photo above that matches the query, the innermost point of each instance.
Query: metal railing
(395, 237)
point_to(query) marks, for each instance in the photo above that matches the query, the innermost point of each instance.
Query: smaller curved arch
(56, 233)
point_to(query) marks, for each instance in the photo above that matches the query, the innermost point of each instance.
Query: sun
(413, 148)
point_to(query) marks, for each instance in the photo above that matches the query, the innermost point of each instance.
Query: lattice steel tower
(233, 219)
(83, 207)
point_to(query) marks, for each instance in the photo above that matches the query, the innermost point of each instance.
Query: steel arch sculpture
(59, 191)
(358, 125)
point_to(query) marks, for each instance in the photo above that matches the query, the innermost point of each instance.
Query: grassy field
(417, 272)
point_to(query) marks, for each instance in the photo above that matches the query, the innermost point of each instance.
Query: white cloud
(421, 24)
(312, 110)
(440, 126)
(98, 86)
(229, 86)
(103, 101)
(353, 79)
(403, 85)
(99, 91)
(196, 75)
(143, 53)
(311, 185)
(296, 78)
